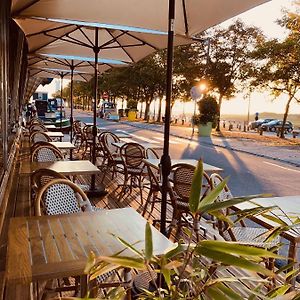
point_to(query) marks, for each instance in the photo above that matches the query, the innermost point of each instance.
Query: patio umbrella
(53, 38)
(191, 16)
(83, 65)
(43, 72)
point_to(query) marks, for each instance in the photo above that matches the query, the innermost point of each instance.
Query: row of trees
(238, 58)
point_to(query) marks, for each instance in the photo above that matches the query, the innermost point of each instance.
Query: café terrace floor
(19, 204)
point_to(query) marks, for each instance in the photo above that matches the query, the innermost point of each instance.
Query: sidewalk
(286, 154)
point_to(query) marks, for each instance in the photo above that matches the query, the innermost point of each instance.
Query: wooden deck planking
(20, 205)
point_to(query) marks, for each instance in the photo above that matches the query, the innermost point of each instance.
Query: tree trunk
(141, 112)
(287, 107)
(219, 116)
(147, 109)
(159, 110)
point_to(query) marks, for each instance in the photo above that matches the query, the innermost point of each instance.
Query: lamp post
(196, 94)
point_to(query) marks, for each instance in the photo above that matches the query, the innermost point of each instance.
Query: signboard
(195, 93)
(104, 95)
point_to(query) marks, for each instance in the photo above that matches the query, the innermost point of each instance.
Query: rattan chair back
(61, 196)
(110, 138)
(38, 136)
(133, 154)
(41, 177)
(46, 153)
(151, 154)
(182, 176)
(37, 127)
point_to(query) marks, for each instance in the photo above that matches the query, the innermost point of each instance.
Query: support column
(4, 74)
(165, 159)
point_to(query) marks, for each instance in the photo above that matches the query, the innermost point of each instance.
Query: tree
(229, 61)
(279, 65)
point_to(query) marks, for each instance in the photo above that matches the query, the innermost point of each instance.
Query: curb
(215, 144)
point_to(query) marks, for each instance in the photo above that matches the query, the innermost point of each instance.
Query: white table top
(63, 145)
(287, 206)
(50, 127)
(65, 167)
(54, 133)
(145, 145)
(193, 162)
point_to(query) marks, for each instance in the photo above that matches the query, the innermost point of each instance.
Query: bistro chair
(38, 136)
(45, 153)
(252, 236)
(87, 140)
(37, 127)
(112, 159)
(180, 189)
(78, 136)
(132, 155)
(151, 154)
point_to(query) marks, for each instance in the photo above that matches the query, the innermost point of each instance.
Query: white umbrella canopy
(192, 16)
(80, 64)
(48, 37)
(58, 73)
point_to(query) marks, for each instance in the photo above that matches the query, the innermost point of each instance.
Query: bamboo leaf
(279, 291)
(225, 204)
(237, 248)
(167, 276)
(127, 262)
(173, 264)
(229, 292)
(176, 251)
(196, 188)
(90, 262)
(275, 219)
(214, 293)
(129, 246)
(233, 260)
(212, 195)
(148, 242)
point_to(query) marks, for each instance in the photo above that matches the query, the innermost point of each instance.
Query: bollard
(260, 131)
(230, 127)
(182, 122)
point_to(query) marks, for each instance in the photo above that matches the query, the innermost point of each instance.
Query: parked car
(258, 123)
(271, 126)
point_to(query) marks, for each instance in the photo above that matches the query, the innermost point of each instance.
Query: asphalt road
(249, 174)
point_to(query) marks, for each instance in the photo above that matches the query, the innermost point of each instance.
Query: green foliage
(132, 104)
(191, 270)
(209, 111)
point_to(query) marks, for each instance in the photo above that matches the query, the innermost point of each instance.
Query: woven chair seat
(251, 236)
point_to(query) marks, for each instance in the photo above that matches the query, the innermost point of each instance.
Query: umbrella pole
(93, 192)
(71, 96)
(61, 96)
(165, 159)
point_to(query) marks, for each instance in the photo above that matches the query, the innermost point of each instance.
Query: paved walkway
(287, 154)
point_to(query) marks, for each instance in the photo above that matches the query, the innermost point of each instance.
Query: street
(249, 174)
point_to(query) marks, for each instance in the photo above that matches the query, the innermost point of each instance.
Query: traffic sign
(195, 93)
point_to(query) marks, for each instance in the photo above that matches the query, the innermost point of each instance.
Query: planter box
(205, 129)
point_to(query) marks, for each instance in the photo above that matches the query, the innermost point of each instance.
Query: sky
(263, 16)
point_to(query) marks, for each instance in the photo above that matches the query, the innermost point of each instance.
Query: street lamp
(196, 93)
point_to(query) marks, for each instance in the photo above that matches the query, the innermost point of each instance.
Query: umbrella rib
(49, 30)
(142, 41)
(69, 39)
(28, 5)
(126, 52)
(84, 34)
(48, 43)
(186, 25)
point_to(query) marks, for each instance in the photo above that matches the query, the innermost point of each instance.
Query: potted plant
(131, 109)
(207, 117)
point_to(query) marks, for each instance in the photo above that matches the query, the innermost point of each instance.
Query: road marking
(171, 141)
(268, 163)
(139, 137)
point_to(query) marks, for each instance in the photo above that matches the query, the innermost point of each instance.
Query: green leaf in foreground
(196, 188)
(233, 260)
(148, 242)
(127, 262)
